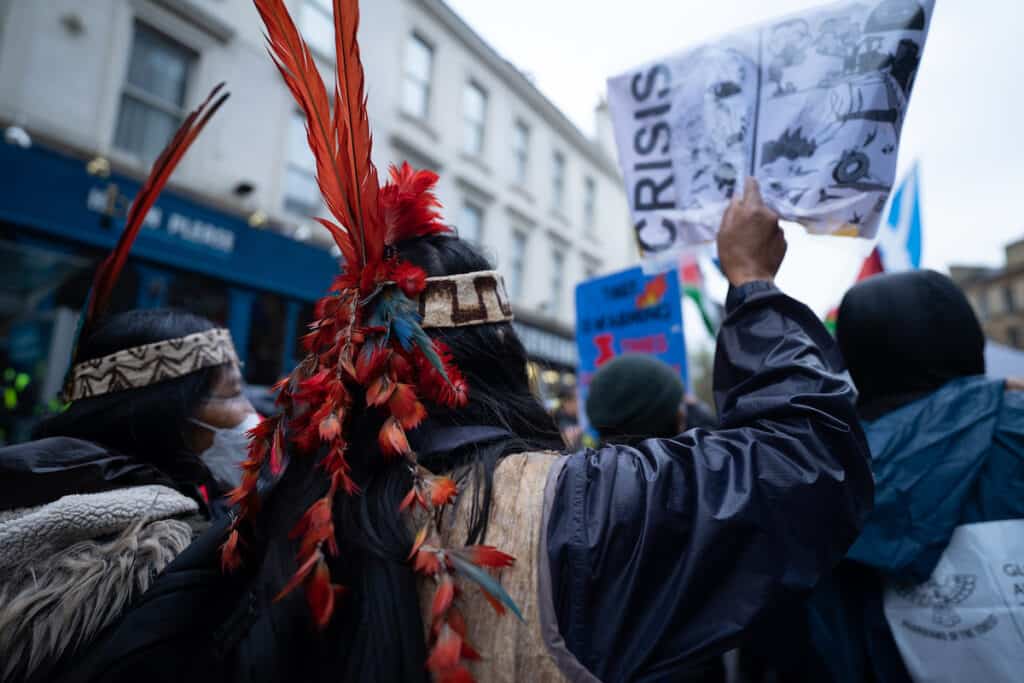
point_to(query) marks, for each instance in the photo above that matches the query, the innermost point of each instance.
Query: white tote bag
(966, 623)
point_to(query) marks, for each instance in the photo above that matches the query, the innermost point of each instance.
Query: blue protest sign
(628, 312)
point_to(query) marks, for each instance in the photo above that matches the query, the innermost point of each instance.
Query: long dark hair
(377, 632)
(148, 423)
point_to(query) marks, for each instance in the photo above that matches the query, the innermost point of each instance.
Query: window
(589, 205)
(557, 280)
(558, 181)
(1013, 337)
(520, 152)
(474, 119)
(517, 265)
(471, 223)
(153, 98)
(1008, 300)
(419, 60)
(301, 193)
(316, 23)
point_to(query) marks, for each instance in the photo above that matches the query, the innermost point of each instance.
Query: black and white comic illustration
(812, 105)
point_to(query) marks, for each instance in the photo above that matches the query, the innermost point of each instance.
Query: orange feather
(443, 596)
(380, 391)
(300, 575)
(392, 439)
(230, 557)
(487, 556)
(321, 594)
(353, 125)
(426, 562)
(458, 674)
(405, 407)
(493, 602)
(418, 541)
(445, 654)
(442, 491)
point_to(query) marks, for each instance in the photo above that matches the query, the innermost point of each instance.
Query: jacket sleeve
(664, 554)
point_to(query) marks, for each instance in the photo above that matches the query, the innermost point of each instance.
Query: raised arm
(664, 554)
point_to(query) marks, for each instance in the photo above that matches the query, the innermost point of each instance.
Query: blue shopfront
(57, 221)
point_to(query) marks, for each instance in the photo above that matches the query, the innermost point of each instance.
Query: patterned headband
(467, 299)
(141, 366)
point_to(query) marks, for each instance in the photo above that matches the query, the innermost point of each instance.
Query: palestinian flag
(691, 279)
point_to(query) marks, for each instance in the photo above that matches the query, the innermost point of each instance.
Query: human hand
(751, 244)
(1014, 384)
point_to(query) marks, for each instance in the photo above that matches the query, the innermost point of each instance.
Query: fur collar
(70, 567)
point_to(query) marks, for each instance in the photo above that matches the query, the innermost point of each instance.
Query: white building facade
(107, 82)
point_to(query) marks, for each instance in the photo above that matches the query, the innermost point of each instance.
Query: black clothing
(686, 542)
(904, 335)
(44, 470)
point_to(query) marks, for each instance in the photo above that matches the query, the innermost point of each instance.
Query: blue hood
(938, 463)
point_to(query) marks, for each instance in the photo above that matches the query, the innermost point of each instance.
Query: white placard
(966, 623)
(812, 105)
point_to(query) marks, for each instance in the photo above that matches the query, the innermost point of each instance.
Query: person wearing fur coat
(119, 484)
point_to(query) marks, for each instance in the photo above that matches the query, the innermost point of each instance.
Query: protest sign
(812, 105)
(966, 623)
(628, 312)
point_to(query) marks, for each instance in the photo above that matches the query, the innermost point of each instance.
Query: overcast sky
(962, 125)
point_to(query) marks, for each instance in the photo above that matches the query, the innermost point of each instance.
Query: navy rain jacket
(953, 457)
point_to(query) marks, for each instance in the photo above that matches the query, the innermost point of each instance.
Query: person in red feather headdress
(428, 523)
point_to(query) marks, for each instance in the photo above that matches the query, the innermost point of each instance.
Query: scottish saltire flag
(899, 237)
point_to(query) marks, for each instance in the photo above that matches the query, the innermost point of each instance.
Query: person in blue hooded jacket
(947, 447)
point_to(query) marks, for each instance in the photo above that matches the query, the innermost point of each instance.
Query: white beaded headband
(141, 366)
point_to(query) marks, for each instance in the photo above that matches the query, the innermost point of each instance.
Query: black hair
(377, 631)
(148, 423)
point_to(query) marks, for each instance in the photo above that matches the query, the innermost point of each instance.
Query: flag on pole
(899, 238)
(691, 278)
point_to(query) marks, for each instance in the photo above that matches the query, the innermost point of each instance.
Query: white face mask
(230, 447)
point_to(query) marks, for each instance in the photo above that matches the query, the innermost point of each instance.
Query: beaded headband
(467, 299)
(141, 366)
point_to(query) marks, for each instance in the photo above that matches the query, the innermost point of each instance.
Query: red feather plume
(110, 270)
(410, 205)
(341, 143)
(355, 353)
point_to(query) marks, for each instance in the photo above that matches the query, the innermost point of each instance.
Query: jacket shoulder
(94, 579)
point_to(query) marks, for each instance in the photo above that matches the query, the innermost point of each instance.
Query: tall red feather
(110, 270)
(353, 120)
(298, 68)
